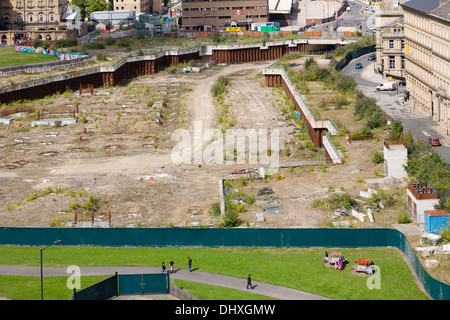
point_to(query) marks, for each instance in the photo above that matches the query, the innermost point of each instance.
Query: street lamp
(42, 275)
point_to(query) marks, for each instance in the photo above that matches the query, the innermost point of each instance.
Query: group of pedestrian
(171, 264)
(338, 265)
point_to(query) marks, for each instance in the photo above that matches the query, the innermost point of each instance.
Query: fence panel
(138, 284)
(102, 290)
(187, 237)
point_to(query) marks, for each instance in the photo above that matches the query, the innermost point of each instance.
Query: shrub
(101, 57)
(220, 87)
(377, 157)
(214, 209)
(403, 218)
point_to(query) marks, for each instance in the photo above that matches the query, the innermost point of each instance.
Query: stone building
(390, 48)
(427, 54)
(138, 6)
(37, 20)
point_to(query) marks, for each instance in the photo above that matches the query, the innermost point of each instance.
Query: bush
(220, 86)
(214, 209)
(403, 218)
(334, 202)
(101, 57)
(377, 157)
(64, 43)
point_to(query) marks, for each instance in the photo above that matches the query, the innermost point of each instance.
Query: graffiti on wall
(49, 51)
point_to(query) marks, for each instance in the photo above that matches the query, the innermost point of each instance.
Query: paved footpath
(261, 288)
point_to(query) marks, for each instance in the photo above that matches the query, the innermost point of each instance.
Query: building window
(30, 17)
(391, 44)
(391, 62)
(51, 17)
(40, 4)
(30, 4)
(19, 18)
(41, 17)
(403, 62)
(403, 44)
(19, 4)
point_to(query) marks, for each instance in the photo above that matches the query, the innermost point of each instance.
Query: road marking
(426, 133)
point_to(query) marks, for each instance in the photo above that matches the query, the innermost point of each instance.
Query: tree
(96, 5)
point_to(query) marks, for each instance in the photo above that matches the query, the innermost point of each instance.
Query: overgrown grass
(297, 268)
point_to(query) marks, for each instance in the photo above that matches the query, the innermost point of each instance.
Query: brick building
(208, 15)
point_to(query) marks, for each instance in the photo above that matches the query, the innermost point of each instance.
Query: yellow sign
(408, 48)
(234, 29)
(390, 78)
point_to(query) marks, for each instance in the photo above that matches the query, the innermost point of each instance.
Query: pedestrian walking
(249, 281)
(190, 264)
(171, 263)
(163, 268)
(341, 265)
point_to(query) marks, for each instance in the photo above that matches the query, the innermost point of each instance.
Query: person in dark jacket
(249, 281)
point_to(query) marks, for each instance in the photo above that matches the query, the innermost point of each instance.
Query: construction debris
(272, 208)
(264, 190)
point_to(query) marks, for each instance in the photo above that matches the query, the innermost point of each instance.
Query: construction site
(103, 157)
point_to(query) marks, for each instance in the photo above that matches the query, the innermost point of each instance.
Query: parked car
(402, 83)
(358, 66)
(387, 86)
(372, 57)
(434, 142)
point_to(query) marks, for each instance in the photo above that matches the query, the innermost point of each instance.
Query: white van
(387, 86)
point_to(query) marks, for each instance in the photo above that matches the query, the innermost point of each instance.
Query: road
(420, 126)
(261, 288)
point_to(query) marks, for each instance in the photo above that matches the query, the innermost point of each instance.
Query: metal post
(42, 269)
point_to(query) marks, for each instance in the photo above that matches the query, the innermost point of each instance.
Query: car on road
(402, 83)
(358, 66)
(372, 57)
(387, 86)
(434, 142)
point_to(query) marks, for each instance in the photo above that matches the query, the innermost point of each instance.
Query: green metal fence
(102, 290)
(353, 55)
(125, 284)
(203, 237)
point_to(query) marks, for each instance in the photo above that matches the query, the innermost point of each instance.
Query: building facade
(208, 15)
(427, 68)
(34, 20)
(390, 48)
(138, 6)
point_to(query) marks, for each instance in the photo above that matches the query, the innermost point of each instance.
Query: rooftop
(421, 5)
(442, 12)
(423, 191)
(280, 6)
(437, 213)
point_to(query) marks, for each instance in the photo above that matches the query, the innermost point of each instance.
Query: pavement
(420, 125)
(266, 289)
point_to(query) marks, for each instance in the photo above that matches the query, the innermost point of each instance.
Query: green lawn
(298, 268)
(9, 58)
(210, 292)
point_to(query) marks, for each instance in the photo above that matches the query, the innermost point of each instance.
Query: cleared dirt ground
(118, 154)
